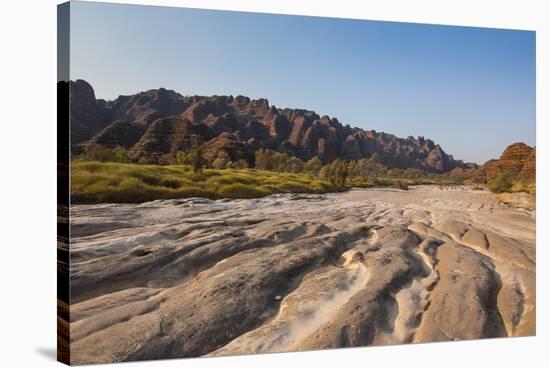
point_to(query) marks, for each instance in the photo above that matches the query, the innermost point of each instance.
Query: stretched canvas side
(63, 200)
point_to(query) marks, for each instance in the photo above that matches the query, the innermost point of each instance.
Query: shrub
(270, 160)
(219, 163)
(295, 165)
(502, 183)
(313, 166)
(241, 164)
(197, 159)
(120, 155)
(183, 158)
(401, 185)
(102, 154)
(336, 172)
(96, 182)
(264, 159)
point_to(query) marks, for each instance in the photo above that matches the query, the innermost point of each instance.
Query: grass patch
(242, 191)
(107, 182)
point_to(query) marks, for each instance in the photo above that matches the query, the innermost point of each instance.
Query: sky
(471, 90)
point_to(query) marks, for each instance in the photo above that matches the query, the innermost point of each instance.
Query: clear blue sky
(472, 90)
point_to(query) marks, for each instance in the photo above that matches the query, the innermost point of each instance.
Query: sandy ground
(194, 277)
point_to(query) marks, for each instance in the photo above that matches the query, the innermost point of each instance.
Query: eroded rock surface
(194, 277)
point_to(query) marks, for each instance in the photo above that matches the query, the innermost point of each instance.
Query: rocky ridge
(518, 159)
(157, 122)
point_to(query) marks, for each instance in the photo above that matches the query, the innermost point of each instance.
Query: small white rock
(278, 298)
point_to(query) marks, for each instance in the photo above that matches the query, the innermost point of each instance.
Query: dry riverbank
(193, 277)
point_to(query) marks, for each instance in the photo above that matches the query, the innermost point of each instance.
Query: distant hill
(518, 159)
(160, 122)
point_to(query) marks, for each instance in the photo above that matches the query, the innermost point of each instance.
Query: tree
(295, 165)
(342, 172)
(264, 159)
(183, 158)
(98, 153)
(269, 160)
(103, 154)
(313, 165)
(219, 163)
(197, 160)
(280, 162)
(336, 172)
(375, 157)
(120, 155)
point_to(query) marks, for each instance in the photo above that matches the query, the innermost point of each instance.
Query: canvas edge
(63, 172)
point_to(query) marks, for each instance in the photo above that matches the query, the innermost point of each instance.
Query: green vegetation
(104, 175)
(313, 166)
(505, 182)
(99, 182)
(337, 172)
(197, 160)
(401, 185)
(102, 154)
(501, 183)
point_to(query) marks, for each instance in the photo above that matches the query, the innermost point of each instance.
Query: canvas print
(237, 183)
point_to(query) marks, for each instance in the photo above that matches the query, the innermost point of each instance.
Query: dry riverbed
(195, 277)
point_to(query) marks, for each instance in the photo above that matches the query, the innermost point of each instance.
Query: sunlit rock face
(156, 122)
(194, 277)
